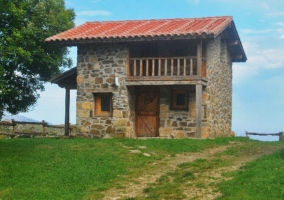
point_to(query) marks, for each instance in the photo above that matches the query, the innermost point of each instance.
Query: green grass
(168, 186)
(61, 169)
(72, 169)
(261, 179)
(42, 168)
(200, 165)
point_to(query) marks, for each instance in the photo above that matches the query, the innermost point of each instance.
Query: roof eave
(75, 42)
(244, 57)
(61, 77)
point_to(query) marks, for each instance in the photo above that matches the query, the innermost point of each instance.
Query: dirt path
(208, 178)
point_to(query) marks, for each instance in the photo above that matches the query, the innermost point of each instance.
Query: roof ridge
(171, 19)
(227, 21)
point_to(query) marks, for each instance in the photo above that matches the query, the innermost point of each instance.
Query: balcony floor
(162, 80)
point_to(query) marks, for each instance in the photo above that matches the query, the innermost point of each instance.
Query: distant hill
(18, 118)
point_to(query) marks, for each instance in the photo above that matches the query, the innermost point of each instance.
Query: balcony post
(199, 57)
(67, 111)
(198, 114)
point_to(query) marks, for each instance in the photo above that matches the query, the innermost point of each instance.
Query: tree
(26, 61)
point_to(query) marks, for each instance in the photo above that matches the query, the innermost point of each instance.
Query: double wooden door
(147, 113)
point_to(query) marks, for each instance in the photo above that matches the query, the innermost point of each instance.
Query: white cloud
(267, 58)
(193, 1)
(94, 13)
(251, 31)
(276, 13)
(265, 6)
(281, 32)
(259, 60)
(280, 23)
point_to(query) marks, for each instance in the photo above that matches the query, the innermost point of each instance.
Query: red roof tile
(107, 30)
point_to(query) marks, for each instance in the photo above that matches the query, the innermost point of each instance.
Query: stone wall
(217, 96)
(177, 123)
(97, 66)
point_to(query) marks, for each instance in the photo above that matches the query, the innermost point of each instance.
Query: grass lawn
(261, 179)
(44, 168)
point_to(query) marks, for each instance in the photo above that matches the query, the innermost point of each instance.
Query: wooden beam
(153, 67)
(232, 42)
(134, 70)
(141, 68)
(178, 67)
(147, 67)
(172, 67)
(191, 67)
(184, 67)
(128, 64)
(67, 111)
(159, 67)
(166, 67)
(199, 57)
(281, 136)
(237, 57)
(198, 113)
(163, 83)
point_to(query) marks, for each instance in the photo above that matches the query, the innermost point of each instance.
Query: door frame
(157, 92)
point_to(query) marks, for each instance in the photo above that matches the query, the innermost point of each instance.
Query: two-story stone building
(153, 78)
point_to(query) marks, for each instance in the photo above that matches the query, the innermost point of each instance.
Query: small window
(103, 104)
(179, 100)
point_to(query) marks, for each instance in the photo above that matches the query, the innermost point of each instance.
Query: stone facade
(217, 96)
(99, 65)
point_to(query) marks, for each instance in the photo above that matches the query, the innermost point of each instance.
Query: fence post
(14, 126)
(43, 127)
(246, 134)
(70, 129)
(281, 137)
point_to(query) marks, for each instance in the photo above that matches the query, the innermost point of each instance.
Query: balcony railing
(164, 67)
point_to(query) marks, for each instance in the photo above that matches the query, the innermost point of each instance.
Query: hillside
(18, 118)
(222, 168)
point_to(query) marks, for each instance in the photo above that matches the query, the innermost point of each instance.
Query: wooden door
(147, 114)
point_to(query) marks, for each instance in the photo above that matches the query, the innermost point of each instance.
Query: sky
(258, 94)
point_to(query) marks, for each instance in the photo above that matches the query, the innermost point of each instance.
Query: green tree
(26, 61)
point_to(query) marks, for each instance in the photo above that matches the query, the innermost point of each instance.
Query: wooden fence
(280, 134)
(43, 123)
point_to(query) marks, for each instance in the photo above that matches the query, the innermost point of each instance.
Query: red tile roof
(131, 29)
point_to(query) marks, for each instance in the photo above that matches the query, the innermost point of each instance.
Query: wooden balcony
(166, 71)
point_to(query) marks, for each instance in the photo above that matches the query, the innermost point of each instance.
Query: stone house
(153, 78)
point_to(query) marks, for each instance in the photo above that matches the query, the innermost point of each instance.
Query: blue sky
(258, 94)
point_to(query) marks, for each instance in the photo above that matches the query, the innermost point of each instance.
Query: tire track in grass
(134, 187)
(202, 187)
